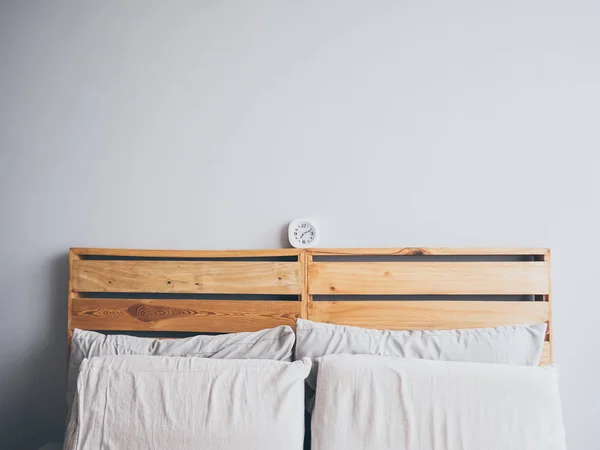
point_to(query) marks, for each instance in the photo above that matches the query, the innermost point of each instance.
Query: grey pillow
(273, 343)
(515, 344)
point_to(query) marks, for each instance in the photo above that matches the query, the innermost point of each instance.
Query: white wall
(211, 124)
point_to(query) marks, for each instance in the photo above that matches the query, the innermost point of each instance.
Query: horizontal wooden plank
(197, 277)
(428, 315)
(121, 252)
(546, 354)
(429, 278)
(435, 251)
(209, 316)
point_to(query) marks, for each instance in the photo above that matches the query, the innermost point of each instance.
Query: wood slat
(197, 277)
(546, 354)
(490, 251)
(548, 298)
(120, 252)
(438, 251)
(71, 294)
(428, 315)
(304, 260)
(211, 316)
(429, 278)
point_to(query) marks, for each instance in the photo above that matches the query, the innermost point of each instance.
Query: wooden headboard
(229, 291)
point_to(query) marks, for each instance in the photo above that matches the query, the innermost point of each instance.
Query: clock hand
(304, 234)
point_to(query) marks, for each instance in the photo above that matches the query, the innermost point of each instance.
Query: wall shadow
(35, 413)
(283, 237)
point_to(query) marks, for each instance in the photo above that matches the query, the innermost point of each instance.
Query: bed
(168, 294)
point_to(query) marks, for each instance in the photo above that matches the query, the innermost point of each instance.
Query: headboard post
(305, 258)
(72, 257)
(548, 298)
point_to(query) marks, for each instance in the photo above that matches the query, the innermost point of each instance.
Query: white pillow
(152, 402)
(515, 344)
(374, 402)
(273, 343)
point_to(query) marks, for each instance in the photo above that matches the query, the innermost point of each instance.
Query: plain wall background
(211, 124)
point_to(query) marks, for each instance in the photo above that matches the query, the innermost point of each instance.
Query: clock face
(303, 233)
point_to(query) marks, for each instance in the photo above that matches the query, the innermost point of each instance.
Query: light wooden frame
(232, 291)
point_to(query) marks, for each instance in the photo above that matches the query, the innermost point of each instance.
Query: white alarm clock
(304, 233)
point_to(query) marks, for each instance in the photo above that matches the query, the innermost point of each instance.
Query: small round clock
(303, 233)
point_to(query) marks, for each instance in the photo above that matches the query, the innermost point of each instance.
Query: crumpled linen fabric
(272, 343)
(515, 344)
(373, 402)
(175, 403)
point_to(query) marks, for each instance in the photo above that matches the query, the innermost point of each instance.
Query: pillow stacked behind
(143, 402)
(373, 402)
(273, 343)
(517, 344)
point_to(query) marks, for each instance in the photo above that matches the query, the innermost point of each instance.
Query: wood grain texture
(428, 315)
(120, 252)
(197, 277)
(548, 298)
(404, 251)
(546, 354)
(72, 257)
(439, 251)
(429, 278)
(304, 259)
(161, 274)
(211, 316)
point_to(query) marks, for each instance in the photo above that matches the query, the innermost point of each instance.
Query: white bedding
(515, 344)
(273, 343)
(380, 403)
(173, 403)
